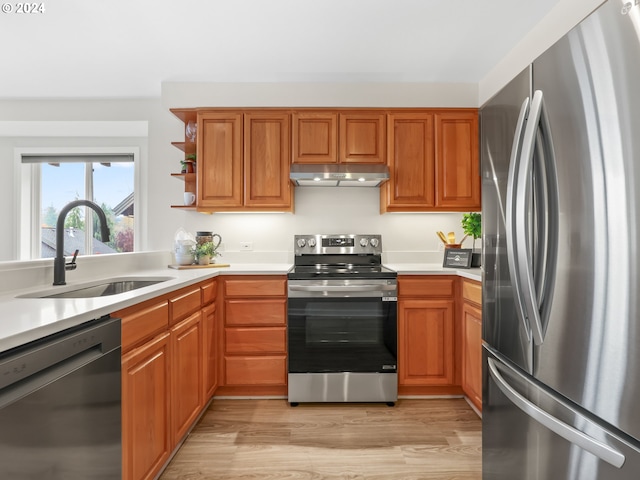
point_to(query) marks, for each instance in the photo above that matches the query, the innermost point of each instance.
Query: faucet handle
(72, 264)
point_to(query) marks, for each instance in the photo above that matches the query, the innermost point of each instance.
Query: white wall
(17, 117)
(562, 18)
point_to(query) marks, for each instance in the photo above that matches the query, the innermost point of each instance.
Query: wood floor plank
(437, 439)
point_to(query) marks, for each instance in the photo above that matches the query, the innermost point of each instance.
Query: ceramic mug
(189, 198)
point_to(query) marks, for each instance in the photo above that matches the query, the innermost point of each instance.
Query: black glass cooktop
(301, 272)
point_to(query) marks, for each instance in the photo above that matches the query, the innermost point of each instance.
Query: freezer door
(530, 433)
(589, 349)
(502, 121)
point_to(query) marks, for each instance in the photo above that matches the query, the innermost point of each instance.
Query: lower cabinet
(169, 372)
(427, 335)
(186, 374)
(209, 351)
(472, 342)
(255, 316)
(425, 331)
(146, 436)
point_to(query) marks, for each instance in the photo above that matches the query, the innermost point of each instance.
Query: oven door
(337, 326)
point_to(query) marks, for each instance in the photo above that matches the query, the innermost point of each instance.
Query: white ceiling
(127, 48)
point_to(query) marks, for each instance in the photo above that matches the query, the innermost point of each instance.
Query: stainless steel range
(342, 321)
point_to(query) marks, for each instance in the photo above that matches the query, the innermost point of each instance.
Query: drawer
(184, 304)
(255, 287)
(426, 286)
(472, 292)
(255, 370)
(144, 323)
(255, 312)
(255, 340)
(209, 291)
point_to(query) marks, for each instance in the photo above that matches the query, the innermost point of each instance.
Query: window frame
(28, 221)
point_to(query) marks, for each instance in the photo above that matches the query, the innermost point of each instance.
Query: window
(107, 180)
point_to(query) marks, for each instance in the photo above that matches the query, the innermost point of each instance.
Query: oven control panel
(319, 244)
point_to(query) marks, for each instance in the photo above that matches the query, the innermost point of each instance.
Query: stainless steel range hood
(339, 175)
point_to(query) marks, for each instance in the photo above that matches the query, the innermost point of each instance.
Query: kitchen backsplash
(407, 237)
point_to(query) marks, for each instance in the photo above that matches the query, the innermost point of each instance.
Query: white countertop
(435, 269)
(27, 319)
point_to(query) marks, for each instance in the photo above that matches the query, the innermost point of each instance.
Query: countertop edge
(31, 319)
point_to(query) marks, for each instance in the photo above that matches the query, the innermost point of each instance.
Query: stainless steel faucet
(59, 265)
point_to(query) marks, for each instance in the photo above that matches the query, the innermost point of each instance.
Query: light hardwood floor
(437, 439)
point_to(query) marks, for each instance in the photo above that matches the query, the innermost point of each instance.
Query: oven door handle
(342, 288)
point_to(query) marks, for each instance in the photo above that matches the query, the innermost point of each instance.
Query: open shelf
(187, 177)
(185, 114)
(186, 147)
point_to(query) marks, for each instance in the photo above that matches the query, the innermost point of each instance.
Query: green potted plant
(189, 163)
(205, 252)
(472, 226)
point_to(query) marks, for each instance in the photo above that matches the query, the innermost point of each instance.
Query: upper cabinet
(338, 137)
(220, 169)
(244, 155)
(433, 161)
(266, 161)
(411, 163)
(315, 137)
(362, 137)
(243, 161)
(457, 161)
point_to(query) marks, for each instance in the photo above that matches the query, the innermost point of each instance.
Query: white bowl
(185, 258)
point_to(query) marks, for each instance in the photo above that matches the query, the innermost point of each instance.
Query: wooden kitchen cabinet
(255, 354)
(362, 137)
(314, 137)
(457, 161)
(186, 374)
(220, 171)
(146, 436)
(426, 335)
(425, 331)
(433, 160)
(472, 341)
(210, 339)
(243, 161)
(169, 364)
(334, 136)
(266, 161)
(411, 163)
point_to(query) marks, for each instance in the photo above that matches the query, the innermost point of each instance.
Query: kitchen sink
(101, 288)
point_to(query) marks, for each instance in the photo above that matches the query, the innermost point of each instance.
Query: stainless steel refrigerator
(560, 152)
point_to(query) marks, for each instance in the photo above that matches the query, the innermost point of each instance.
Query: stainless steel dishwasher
(60, 406)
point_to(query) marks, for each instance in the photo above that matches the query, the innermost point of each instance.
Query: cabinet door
(457, 164)
(425, 337)
(210, 351)
(411, 186)
(315, 137)
(219, 161)
(472, 354)
(362, 138)
(186, 374)
(146, 433)
(266, 160)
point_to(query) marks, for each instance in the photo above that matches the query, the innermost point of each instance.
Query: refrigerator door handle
(524, 179)
(569, 433)
(511, 216)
